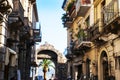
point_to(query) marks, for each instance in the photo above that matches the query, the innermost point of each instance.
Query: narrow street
(59, 39)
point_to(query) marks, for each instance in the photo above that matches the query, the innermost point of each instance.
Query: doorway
(104, 66)
(80, 73)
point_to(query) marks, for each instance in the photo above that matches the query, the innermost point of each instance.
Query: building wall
(108, 51)
(4, 12)
(12, 57)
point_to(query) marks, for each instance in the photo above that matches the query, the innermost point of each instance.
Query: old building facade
(18, 37)
(6, 7)
(93, 39)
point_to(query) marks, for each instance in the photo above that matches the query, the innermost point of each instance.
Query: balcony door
(104, 66)
(80, 73)
(88, 68)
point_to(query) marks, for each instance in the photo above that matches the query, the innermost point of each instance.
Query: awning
(13, 58)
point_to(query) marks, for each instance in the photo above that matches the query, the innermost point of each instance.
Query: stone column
(5, 10)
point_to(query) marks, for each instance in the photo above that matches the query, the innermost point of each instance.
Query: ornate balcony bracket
(84, 44)
(6, 6)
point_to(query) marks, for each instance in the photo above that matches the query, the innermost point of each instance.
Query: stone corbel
(6, 6)
(104, 38)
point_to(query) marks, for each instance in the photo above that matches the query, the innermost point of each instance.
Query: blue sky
(50, 13)
(53, 32)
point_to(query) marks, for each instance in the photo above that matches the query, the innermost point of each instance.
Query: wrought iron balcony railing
(110, 13)
(83, 42)
(67, 20)
(68, 23)
(37, 34)
(71, 52)
(36, 31)
(94, 31)
(68, 53)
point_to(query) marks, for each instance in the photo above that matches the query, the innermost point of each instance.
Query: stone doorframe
(103, 57)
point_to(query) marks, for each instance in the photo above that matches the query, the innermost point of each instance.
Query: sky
(53, 32)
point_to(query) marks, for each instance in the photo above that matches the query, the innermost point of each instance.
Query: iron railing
(94, 30)
(110, 12)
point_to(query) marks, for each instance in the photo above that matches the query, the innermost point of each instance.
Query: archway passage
(104, 66)
(47, 54)
(47, 51)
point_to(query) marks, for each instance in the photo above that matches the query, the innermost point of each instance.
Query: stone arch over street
(47, 51)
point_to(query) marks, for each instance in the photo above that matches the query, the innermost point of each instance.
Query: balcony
(71, 52)
(16, 18)
(68, 54)
(71, 9)
(25, 33)
(67, 21)
(37, 34)
(83, 42)
(94, 31)
(26, 30)
(111, 16)
(82, 6)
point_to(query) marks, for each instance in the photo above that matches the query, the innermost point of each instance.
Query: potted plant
(64, 18)
(81, 34)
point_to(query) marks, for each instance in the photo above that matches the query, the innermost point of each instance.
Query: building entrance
(104, 66)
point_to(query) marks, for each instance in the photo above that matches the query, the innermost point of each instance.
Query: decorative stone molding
(61, 58)
(6, 6)
(60, 63)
